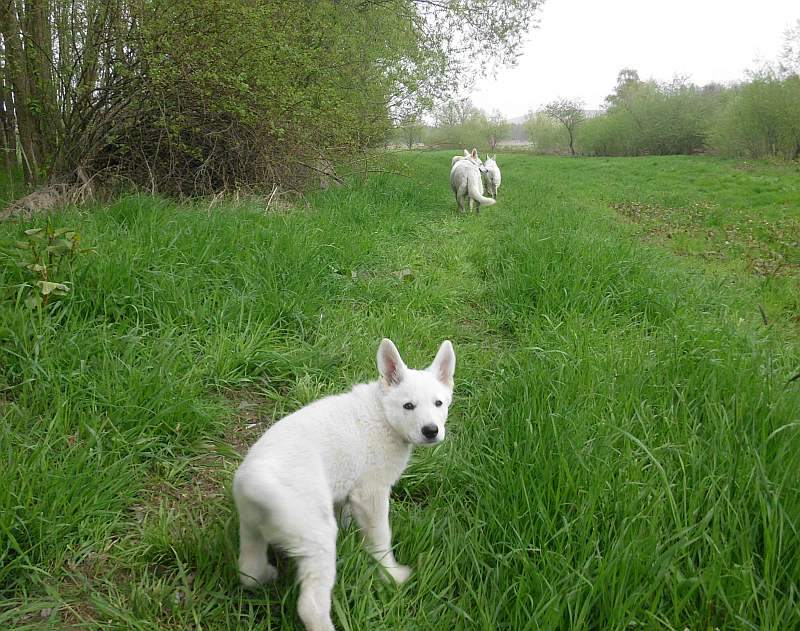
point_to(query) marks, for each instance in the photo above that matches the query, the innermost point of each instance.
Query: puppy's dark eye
(438, 404)
(409, 406)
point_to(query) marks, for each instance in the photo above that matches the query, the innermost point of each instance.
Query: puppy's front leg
(370, 507)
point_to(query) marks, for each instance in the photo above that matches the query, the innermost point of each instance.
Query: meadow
(623, 449)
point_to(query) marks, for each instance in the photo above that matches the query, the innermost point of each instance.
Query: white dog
(457, 158)
(491, 175)
(345, 450)
(467, 183)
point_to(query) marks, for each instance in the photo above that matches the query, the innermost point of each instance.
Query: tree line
(458, 124)
(755, 118)
(198, 96)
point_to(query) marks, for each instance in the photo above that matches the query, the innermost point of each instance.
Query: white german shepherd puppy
(345, 450)
(467, 183)
(491, 175)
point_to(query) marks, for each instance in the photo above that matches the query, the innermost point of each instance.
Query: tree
(497, 129)
(455, 112)
(570, 114)
(410, 130)
(789, 60)
(627, 81)
(459, 122)
(545, 134)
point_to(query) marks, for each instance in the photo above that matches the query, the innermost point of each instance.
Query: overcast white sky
(580, 46)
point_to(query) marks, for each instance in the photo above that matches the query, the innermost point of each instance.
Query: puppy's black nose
(430, 431)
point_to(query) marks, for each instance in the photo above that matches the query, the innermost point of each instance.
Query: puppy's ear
(444, 364)
(466, 153)
(390, 364)
(475, 153)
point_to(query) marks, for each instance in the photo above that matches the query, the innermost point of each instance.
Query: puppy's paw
(254, 582)
(400, 574)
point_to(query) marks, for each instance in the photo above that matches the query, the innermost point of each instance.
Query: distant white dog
(467, 183)
(457, 158)
(491, 175)
(345, 450)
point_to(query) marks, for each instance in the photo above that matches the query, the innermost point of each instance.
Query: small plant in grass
(47, 255)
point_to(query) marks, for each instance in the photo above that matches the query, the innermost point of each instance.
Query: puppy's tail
(474, 191)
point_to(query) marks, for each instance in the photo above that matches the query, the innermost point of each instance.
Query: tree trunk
(8, 130)
(38, 50)
(20, 82)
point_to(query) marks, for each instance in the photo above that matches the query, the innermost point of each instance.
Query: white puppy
(491, 175)
(348, 449)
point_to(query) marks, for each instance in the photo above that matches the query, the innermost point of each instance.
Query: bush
(760, 119)
(546, 134)
(651, 118)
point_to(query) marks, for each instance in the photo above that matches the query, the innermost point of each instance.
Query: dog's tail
(474, 191)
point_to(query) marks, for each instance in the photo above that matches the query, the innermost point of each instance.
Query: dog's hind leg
(254, 569)
(466, 202)
(459, 203)
(254, 535)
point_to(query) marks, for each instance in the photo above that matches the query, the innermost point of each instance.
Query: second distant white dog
(467, 183)
(491, 175)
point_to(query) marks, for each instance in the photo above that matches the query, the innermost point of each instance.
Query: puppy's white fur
(348, 449)
(491, 175)
(467, 183)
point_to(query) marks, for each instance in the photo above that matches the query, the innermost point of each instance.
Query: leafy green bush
(760, 118)
(650, 118)
(546, 134)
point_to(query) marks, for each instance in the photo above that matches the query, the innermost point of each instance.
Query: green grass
(623, 450)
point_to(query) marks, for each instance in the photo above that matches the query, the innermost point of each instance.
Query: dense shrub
(651, 118)
(760, 118)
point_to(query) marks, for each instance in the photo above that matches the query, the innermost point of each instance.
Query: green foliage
(568, 113)
(610, 134)
(755, 119)
(460, 124)
(497, 129)
(645, 117)
(760, 118)
(256, 91)
(410, 131)
(46, 255)
(545, 134)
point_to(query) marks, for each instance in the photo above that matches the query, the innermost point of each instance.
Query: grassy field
(623, 450)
